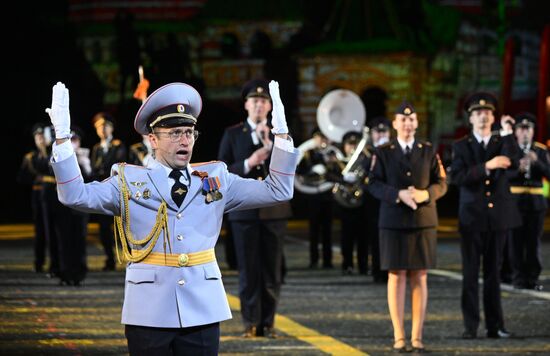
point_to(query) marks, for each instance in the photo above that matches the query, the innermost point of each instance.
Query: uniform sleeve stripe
(70, 180)
(285, 174)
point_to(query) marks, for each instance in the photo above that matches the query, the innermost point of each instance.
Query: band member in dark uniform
(104, 154)
(407, 177)
(257, 233)
(481, 167)
(352, 218)
(72, 227)
(524, 245)
(315, 166)
(141, 152)
(35, 171)
(380, 134)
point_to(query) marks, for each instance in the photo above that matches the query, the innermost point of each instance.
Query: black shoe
(499, 334)
(348, 271)
(249, 332)
(520, 285)
(534, 286)
(313, 265)
(400, 350)
(328, 266)
(270, 332)
(469, 334)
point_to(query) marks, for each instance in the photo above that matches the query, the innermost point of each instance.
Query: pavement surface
(320, 312)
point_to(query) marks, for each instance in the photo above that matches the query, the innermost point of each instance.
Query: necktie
(407, 151)
(179, 190)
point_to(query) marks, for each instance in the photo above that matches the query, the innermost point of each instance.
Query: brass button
(408, 174)
(181, 282)
(490, 205)
(178, 216)
(179, 237)
(487, 182)
(488, 194)
(183, 260)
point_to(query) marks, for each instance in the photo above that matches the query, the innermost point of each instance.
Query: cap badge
(180, 108)
(407, 111)
(259, 90)
(482, 102)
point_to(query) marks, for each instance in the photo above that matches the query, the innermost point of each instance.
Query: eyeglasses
(175, 135)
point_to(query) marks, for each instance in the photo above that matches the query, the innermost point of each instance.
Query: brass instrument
(350, 195)
(339, 111)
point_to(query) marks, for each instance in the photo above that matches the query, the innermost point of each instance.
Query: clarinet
(527, 174)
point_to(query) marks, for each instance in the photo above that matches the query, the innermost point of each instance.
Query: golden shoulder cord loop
(122, 226)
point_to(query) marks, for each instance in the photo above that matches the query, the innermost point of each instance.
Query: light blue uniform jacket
(161, 296)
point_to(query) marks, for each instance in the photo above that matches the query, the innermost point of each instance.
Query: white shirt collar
(404, 144)
(255, 138)
(185, 178)
(480, 139)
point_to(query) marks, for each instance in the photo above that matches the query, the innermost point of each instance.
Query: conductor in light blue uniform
(168, 217)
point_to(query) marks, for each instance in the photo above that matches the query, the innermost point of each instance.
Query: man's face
(482, 119)
(405, 125)
(172, 152)
(349, 148)
(104, 131)
(257, 108)
(524, 134)
(380, 137)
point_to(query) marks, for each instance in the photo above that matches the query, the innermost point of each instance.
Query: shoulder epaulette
(29, 155)
(198, 164)
(136, 145)
(541, 145)
(463, 138)
(116, 142)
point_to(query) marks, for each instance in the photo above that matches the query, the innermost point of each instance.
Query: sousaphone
(339, 111)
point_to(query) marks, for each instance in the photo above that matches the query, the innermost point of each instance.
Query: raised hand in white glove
(59, 111)
(278, 120)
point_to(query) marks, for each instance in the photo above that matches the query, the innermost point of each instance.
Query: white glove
(278, 115)
(59, 112)
(350, 177)
(319, 169)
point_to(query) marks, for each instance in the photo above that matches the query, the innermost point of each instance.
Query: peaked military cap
(102, 118)
(480, 100)
(405, 108)
(38, 129)
(379, 123)
(256, 88)
(172, 105)
(526, 120)
(76, 132)
(352, 137)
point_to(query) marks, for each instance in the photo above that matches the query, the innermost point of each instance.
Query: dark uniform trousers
(35, 171)
(319, 208)
(524, 242)
(196, 340)
(353, 233)
(51, 220)
(320, 225)
(257, 234)
(487, 213)
(102, 161)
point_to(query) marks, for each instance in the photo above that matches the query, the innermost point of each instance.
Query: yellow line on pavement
(322, 342)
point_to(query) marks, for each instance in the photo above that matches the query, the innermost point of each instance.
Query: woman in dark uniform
(407, 177)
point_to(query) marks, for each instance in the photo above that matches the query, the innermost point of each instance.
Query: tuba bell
(339, 111)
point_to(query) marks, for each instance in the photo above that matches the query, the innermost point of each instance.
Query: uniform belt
(526, 190)
(48, 179)
(181, 259)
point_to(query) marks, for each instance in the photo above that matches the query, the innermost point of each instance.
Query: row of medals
(213, 195)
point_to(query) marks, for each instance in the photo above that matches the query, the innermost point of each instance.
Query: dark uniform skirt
(408, 248)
